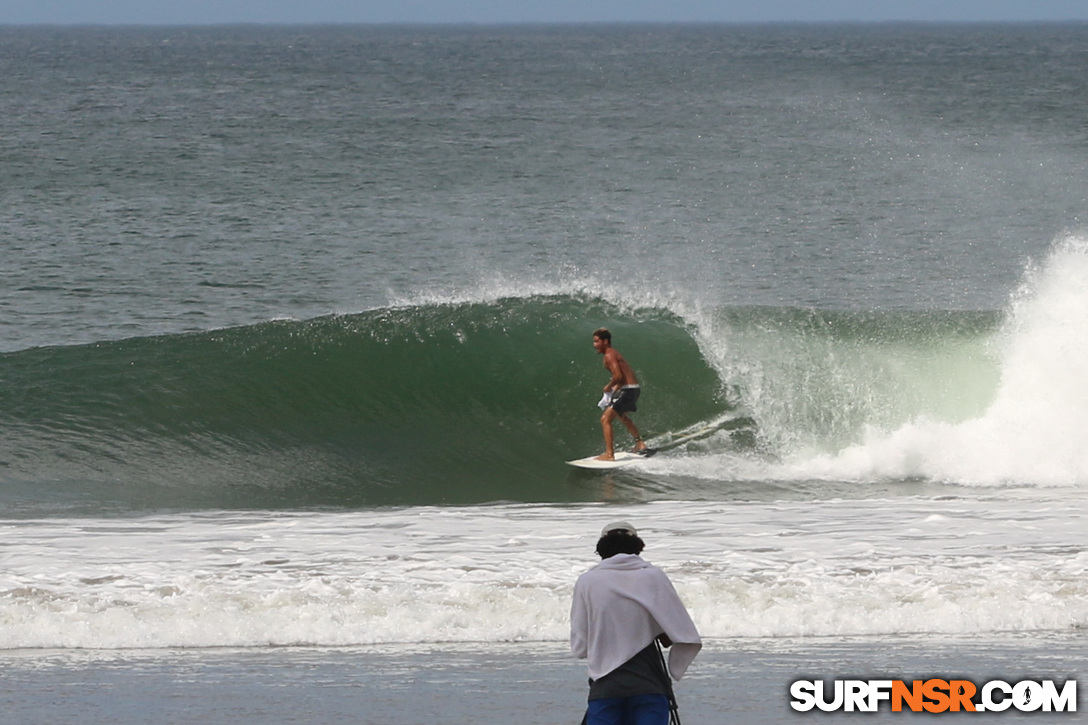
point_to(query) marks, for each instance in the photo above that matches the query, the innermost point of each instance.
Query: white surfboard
(623, 458)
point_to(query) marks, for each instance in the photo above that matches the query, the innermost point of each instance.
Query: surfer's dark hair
(619, 542)
(603, 334)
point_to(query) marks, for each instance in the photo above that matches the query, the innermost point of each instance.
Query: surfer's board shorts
(625, 400)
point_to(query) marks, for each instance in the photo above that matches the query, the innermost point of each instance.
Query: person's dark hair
(603, 334)
(619, 542)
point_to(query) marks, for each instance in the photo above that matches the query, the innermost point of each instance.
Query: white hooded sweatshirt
(619, 607)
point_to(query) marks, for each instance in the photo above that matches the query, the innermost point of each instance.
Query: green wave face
(431, 404)
(465, 403)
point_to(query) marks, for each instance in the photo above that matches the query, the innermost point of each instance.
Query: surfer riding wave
(621, 394)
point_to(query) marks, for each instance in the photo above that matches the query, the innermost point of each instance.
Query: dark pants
(638, 710)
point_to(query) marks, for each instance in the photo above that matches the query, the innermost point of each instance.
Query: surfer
(621, 393)
(621, 609)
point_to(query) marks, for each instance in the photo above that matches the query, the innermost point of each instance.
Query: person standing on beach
(622, 608)
(621, 393)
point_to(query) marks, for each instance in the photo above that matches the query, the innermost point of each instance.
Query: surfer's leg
(606, 427)
(640, 445)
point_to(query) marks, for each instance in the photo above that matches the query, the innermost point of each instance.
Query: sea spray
(1031, 431)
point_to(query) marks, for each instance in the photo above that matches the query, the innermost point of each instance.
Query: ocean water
(295, 338)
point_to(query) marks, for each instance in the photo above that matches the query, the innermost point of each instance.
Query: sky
(201, 12)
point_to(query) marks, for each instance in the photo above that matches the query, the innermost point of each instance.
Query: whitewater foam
(505, 573)
(1032, 432)
(996, 402)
